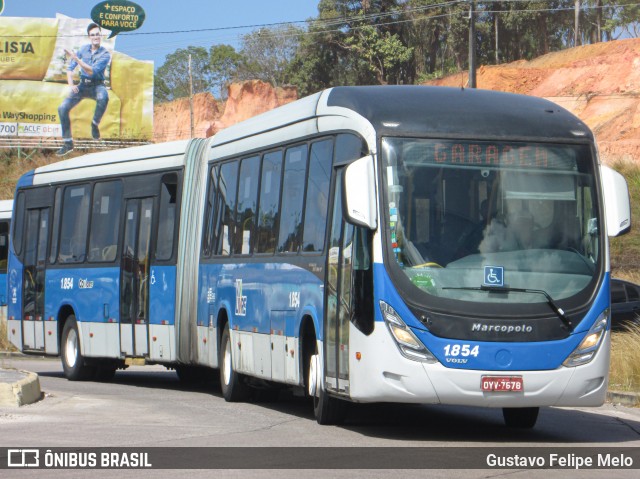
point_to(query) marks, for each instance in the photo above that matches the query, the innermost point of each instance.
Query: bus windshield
(467, 217)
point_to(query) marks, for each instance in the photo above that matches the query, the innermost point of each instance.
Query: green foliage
(172, 78)
(224, 63)
(267, 53)
(358, 42)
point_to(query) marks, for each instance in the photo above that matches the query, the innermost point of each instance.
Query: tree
(267, 53)
(224, 63)
(382, 53)
(173, 76)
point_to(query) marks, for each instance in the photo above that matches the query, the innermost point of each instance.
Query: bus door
(338, 298)
(35, 253)
(135, 277)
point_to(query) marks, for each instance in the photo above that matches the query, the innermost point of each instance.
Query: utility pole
(472, 44)
(191, 96)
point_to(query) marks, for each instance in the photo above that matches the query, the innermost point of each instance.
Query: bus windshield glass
(469, 217)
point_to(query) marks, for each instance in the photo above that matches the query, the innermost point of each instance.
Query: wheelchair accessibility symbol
(493, 276)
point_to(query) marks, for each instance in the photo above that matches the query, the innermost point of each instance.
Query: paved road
(148, 407)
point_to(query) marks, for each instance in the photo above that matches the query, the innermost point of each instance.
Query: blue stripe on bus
(260, 297)
(3, 289)
(86, 291)
(162, 295)
(495, 356)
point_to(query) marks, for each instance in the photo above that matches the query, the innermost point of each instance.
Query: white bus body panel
(207, 346)
(264, 140)
(51, 337)
(99, 340)
(161, 342)
(383, 374)
(115, 162)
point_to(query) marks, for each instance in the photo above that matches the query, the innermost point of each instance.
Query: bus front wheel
(326, 409)
(234, 389)
(520, 417)
(73, 362)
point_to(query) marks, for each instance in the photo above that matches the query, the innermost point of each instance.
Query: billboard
(36, 55)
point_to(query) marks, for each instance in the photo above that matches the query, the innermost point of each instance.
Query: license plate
(502, 383)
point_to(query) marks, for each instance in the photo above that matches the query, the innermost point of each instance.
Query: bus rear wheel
(234, 389)
(520, 417)
(73, 362)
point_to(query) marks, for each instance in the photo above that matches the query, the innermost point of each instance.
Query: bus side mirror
(616, 202)
(359, 188)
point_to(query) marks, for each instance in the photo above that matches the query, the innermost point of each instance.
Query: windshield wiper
(506, 289)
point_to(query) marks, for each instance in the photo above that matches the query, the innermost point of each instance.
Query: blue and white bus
(363, 244)
(6, 207)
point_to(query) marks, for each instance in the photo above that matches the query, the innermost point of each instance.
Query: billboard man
(93, 60)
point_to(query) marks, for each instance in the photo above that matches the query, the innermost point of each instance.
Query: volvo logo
(501, 328)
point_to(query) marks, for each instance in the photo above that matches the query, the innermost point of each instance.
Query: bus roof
(420, 111)
(458, 113)
(112, 162)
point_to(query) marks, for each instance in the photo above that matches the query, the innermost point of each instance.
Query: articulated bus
(363, 244)
(6, 207)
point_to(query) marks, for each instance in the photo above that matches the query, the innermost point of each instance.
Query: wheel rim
(71, 348)
(312, 380)
(226, 366)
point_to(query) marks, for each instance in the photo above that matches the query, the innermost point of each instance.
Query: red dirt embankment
(172, 120)
(599, 83)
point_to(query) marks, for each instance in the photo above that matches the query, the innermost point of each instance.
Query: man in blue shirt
(93, 60)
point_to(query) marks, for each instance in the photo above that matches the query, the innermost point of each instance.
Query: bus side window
(75, 222)
(247, 204)
(4, 246)
(362, 281)
(167, 217)
(269, 207)
(349, 147)
(318, 182)
(18, 223)
(55, 226)
(105, 221)
(295, 172)
(227, 190)
(211, 217)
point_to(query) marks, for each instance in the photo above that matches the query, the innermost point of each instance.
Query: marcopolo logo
(501, 328)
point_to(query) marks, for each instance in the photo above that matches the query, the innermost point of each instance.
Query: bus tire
(234, 389)
(520, 417)
(73, 362)
(326, 409)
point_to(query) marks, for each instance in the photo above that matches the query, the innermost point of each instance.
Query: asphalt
(18, 388)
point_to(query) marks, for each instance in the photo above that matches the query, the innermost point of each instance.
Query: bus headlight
(410, 347)
(590, 344)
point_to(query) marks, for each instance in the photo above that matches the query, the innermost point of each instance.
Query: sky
(147, 43)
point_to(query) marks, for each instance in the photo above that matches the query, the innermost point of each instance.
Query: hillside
(172, 120)
(599, 83)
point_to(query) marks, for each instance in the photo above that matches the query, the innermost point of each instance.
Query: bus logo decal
(493, 276)
(85, 284)
(241, 301)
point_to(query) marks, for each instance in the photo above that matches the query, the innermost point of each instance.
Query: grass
(624, 371)
(5, 345)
